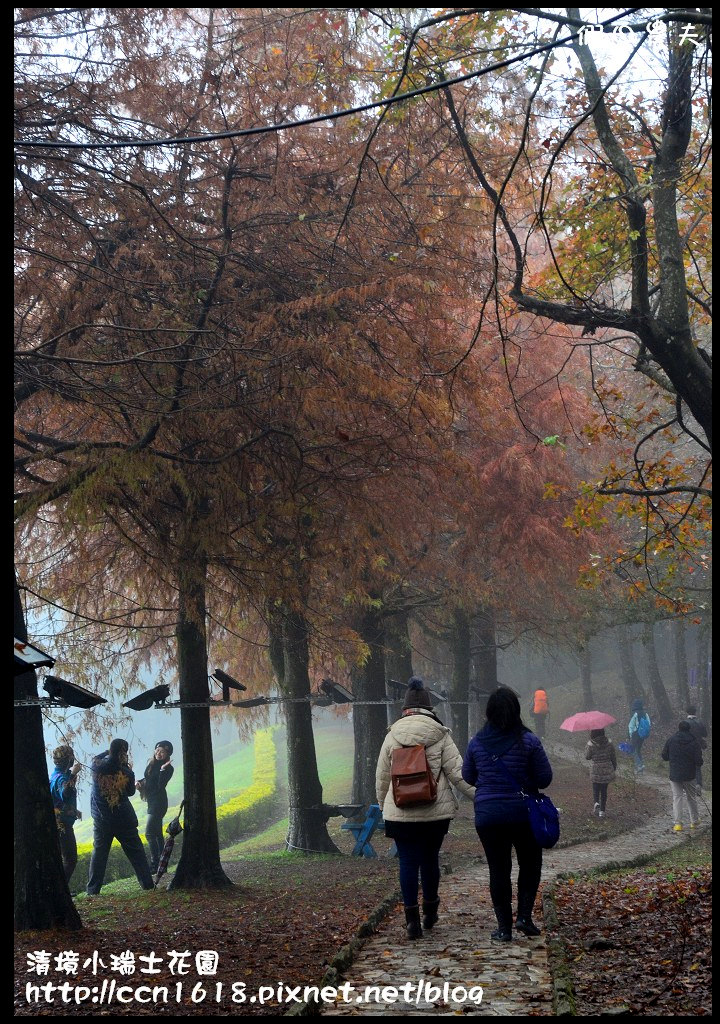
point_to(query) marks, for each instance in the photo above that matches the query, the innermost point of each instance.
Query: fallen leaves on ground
(282, 922)
(640, 940)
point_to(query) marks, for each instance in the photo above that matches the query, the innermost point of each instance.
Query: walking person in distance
(603, 765)
(638, 730)
(684, 755)
(540, 711)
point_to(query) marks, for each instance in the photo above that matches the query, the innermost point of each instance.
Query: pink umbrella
(585, 720)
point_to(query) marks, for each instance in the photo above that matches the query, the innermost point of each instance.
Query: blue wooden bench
(363, 832)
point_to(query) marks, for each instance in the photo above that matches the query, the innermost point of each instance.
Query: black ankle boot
(503, 932)
(430, 912)
(412, 922)
(526, 926)
(524, 922)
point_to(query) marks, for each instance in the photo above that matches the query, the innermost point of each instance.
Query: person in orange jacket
(540, 710)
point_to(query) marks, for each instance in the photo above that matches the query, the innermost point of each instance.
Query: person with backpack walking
(699, 731)
(416, 819)
(603, 765)
(540, 710)
(114, 816)
(503, 758)
(685, 756)
(152, 788)
(638, 730)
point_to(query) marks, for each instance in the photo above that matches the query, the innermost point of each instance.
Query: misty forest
(353, 346)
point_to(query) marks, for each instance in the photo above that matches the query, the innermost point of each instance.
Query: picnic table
(364, 830)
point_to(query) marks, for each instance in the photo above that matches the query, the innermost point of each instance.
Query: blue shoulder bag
(542, 812)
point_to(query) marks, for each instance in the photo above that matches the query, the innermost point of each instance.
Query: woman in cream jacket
(419, 831)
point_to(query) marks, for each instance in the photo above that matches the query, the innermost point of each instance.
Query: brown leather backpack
(413, 783)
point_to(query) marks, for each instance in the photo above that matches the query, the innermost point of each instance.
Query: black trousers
(600, 794)
(154, 836)
(127, 835)
(539, 723)
(418, 845)
(498, 843)
(68, 849)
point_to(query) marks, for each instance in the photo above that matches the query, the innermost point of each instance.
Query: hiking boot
(601, 814)
(412, 922)
(526, 926)
(430, 913)
(677, 828)
(503, 916)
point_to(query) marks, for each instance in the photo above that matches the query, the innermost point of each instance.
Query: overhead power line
(317, 118)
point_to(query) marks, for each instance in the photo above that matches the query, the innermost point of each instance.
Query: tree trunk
(681, 664)
(398, 658)
(307, 830)
(585, 659)
(460, 683)
(199, 865)
(662, 701)
(485, 667)
(369, 720)
(703, 673)
(41, 894)
(633, 687)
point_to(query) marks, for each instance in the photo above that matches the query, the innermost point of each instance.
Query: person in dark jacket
(505, 745)
(601, 753)
(685, 756)
(64, 796)
(152, 788)
(114, 816)
(699, 731)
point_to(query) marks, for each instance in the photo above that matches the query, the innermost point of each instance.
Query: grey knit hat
(417, 696)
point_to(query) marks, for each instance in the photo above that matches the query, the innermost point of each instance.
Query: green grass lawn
(334, 752)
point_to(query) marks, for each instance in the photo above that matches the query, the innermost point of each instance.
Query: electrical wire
(317, 118)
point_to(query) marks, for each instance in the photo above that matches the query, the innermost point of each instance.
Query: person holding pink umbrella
(601, 753)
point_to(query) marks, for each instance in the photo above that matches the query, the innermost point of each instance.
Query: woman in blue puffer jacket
(501, 817)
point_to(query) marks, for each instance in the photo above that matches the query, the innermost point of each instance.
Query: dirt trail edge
(456, 968)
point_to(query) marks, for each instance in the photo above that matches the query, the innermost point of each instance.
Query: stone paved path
(458, 953)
